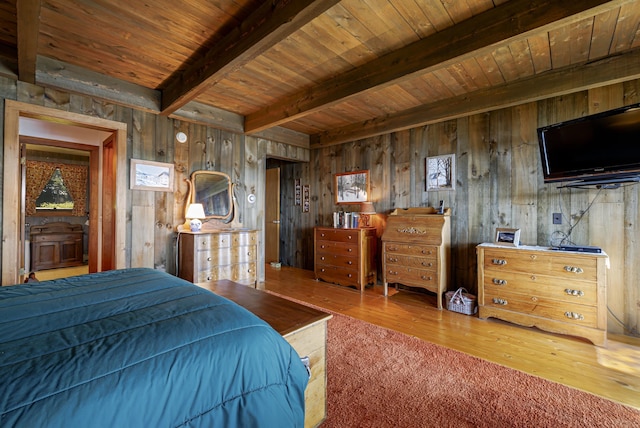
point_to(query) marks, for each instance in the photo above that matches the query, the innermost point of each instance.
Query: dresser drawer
(569, 266)
(338, 260)
(213, 241)
(410, 249)
(337, 248)
(582, 292)
(429, 263)
(572, 313)
(337, 275)
(231, 271)
(228, 256)
(56, 238)
(411, 276)
(338, 235)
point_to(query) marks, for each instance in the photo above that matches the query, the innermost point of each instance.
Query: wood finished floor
(612, 372)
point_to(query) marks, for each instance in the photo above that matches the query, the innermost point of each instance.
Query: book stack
(346, 220)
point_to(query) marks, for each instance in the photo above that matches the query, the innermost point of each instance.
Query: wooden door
(272, 216)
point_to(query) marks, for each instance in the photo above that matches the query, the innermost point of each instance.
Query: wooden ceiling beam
(28, 23)
(554, 83)
(268, 25)
(515, 19)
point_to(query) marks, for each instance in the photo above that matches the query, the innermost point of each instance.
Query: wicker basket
(461, 301)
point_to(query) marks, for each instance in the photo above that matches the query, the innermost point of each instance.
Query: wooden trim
(11, 217)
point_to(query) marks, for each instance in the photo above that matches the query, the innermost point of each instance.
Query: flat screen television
(599, 149)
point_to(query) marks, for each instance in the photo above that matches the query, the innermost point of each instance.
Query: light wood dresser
(345, 256)
(213, 255)
(416, 247)
(558, 291)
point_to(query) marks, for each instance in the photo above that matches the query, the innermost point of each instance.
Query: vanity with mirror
(217, 251)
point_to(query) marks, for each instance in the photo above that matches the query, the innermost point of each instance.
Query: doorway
(272, 216)
(108, 183)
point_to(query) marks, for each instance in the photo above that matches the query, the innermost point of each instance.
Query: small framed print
(150, 175)
(298, 192)
(441, 172)
(305, 198)
(509, 237)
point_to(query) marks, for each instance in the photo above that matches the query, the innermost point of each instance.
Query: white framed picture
(150, 175)
(509, 237)
(441, 172)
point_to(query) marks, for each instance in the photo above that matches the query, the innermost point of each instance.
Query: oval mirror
(213, 190)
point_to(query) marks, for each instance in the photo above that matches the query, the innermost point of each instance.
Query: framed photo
(441, 172)
(305, 198)
(149, 175)
(298, 191)
(351, 187)
(509, 237)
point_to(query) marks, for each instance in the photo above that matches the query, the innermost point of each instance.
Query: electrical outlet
(557, 218)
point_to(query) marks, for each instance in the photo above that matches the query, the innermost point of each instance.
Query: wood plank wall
(498, 184)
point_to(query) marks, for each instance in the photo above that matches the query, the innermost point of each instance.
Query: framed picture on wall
(150, 175)
(351, 187)
(298, 192)
(441, 172)
(508, 237)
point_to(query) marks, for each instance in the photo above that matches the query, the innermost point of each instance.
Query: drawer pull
(322, 246)
(392, 248)
(349, 275)
(500, 262)
(208, 278)
(571, 292)
(497, 281)
(574, 316)
(426, 251)
(573, 269)
(208, 259)
(349, 262)
(322, 258)
(322, 235)
(350, 237)
(350, 250)
(426, 278)
(392, 272)
(427, 264)
(392, 259)
(502, 302)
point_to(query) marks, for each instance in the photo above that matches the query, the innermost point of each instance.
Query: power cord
(564, 236)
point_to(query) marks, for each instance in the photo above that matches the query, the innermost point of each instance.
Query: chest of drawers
(415, 250)
(345, 256)
(557, 291)
(232, 254)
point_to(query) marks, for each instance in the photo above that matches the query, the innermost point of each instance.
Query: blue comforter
(141, 348)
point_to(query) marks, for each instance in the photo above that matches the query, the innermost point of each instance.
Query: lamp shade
(195, 211)
(367, 208)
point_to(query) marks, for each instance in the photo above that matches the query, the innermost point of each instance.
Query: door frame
(13, 214)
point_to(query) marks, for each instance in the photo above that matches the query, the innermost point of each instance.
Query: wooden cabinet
(56, 245)
(213, 255)
(416, 247)
(558, 291)
(346, 256)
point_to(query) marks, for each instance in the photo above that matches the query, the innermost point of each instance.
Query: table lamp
(366, 211)
(195, 213)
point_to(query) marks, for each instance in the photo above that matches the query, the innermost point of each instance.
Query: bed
(141, 348)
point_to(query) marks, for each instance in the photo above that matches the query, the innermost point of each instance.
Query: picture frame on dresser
(508, 237)
(351, 187)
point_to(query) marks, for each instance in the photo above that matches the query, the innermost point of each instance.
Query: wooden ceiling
(325, 71)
